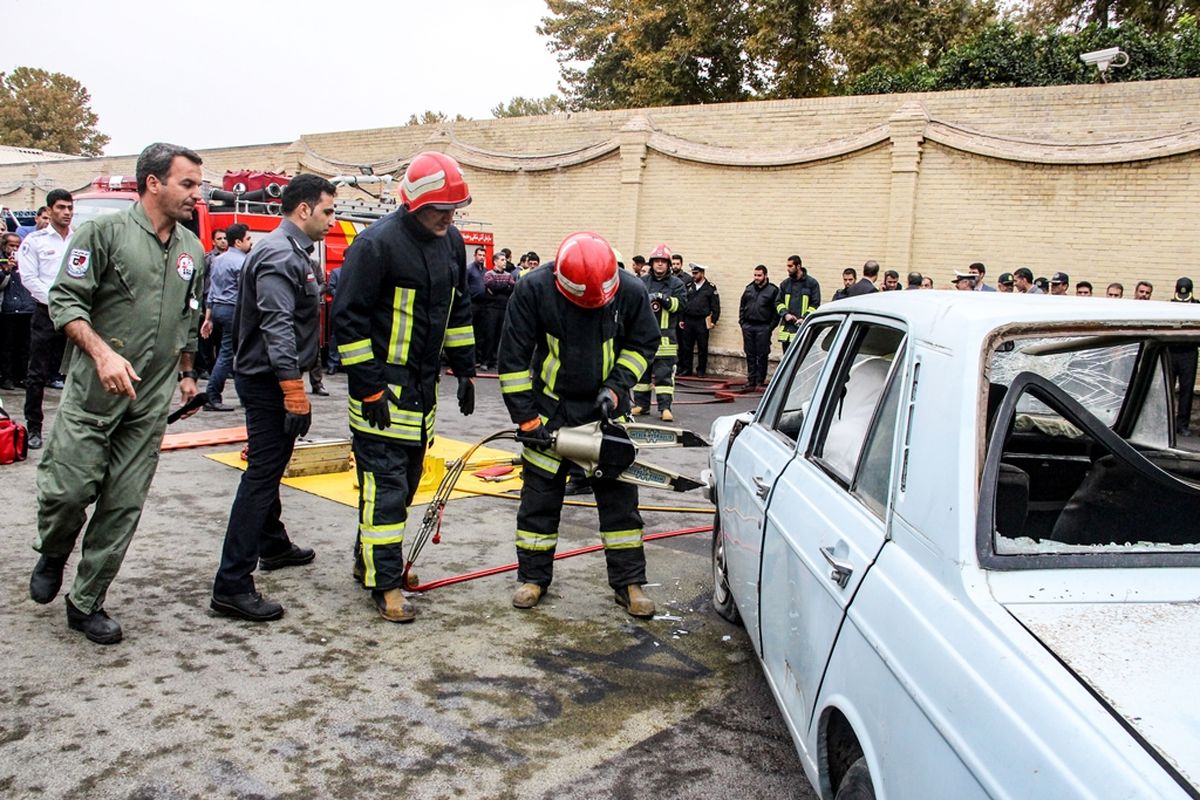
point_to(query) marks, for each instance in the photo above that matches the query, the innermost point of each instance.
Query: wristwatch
(187, 373)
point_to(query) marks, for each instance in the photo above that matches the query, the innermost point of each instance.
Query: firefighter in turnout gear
(402, 299)
(799, 295)
(666, 300)
(575, 340)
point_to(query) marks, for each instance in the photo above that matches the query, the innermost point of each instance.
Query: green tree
(898, 34)
(49, 111)
(628, 53)
(787, 45)
(1156, 16)
(529, 106)
(433, 117)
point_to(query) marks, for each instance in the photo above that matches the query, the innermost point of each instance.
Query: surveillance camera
(1103, 59)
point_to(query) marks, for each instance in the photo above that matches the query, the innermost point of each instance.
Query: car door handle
(761, 487)
(840, 571)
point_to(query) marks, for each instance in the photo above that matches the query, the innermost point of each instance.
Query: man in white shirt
(39, 258)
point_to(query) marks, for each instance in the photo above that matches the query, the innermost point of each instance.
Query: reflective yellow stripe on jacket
(402, 324)
(355, 352)
(550, 367)
(511, 382)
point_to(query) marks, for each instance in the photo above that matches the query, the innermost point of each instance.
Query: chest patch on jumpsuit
(185, 266)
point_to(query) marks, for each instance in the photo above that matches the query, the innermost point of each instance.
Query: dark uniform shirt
(702, 300)
(573, 351)
(799, 296)
(402, 299)
(759, 305)
(275, 327)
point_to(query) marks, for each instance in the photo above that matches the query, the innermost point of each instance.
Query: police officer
(701, 310)
(127, 297)
(666, 301)
(799, 294)
(276, 332)
(575, 339)
(403, 298)
(758, 313)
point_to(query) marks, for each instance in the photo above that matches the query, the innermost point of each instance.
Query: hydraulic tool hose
(591, 548)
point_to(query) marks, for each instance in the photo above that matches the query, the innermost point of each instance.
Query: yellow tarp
(340, 486)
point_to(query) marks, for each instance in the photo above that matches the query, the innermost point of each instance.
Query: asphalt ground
(573, 699)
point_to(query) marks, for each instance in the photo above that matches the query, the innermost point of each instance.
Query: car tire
(722, 596)
(856, 783)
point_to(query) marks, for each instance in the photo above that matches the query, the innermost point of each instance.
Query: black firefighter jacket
(555, 356)
(401, 299)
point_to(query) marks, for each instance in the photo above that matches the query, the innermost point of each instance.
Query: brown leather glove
(299, 411)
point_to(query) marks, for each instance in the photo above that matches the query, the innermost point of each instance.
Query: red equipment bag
(252, 180)
(12, 440)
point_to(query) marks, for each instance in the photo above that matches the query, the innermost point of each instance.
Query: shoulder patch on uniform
(78, 261)
(185, 266)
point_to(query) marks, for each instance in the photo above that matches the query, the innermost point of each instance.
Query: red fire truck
(253, 199)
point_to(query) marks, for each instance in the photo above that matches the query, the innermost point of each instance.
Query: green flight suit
(141, 297)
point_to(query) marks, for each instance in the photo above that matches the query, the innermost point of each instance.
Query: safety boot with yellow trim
(637, 411)
(667, 416)
(393, 605)
(527, 595)
(633, 599)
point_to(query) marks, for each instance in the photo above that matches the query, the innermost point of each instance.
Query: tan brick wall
(1102, 223)
(1100, 180)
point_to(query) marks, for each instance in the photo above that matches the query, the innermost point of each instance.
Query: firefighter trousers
(388, 476)
(544, 477)
(662, 373)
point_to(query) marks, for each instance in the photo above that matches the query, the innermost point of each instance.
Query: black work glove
(376, 411)
(606, 403)
(296, 425)
(537, 437)
(466, 396)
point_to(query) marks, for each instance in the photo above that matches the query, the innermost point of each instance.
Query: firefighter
(799, 294)
(666, 300)
(576, 338)
(401, 301)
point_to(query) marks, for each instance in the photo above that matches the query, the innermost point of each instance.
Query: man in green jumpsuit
(127, 296)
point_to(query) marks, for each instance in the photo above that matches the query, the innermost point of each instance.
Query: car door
(757, 455)
(826, 520)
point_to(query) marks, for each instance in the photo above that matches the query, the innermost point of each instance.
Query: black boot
(250, 606)
(96, 626)
(46, 579)
(292, 557)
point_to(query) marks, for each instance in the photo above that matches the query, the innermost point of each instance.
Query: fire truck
(253, 199)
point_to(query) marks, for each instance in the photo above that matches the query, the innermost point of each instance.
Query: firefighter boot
(635, 601)
(411, 581)
(637, 411)
(667, 416)
(393, 605)
(527, 595)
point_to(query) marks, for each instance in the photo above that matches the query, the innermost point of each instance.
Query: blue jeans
(222, 315)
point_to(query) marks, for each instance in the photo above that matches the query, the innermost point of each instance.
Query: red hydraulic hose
(591, 548)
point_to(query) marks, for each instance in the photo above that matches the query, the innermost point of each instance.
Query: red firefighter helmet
(585, 270)
(434, 179)
(661, 253)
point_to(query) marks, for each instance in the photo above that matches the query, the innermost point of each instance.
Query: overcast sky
(219, 74)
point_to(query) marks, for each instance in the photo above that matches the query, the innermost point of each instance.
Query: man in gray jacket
(276, 341)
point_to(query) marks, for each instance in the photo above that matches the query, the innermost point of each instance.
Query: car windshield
(89, 208)
(1088, 463)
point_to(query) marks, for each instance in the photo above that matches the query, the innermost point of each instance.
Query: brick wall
(1100, 181)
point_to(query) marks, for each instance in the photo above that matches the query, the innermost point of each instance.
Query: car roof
(950, 318)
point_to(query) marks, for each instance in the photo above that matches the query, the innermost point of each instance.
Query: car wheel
(856, 783)
(722, 596)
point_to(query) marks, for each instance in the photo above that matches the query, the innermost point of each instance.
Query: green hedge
(1003, 55)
